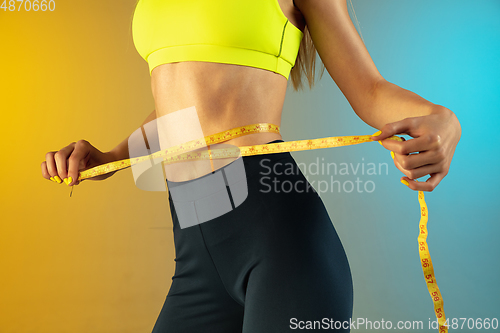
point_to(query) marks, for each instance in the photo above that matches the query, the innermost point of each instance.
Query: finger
(424, 171)
(417, 172)
(378, 137)
(50, 165)
(419, 144)
(61, 158)
(409, 126)
(413, 161)
(77, 161)
(411, 175)
(45, 172)
(429, 185)
(404, 126)
(400, 168)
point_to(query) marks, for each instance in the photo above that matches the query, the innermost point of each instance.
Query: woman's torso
(225, 95)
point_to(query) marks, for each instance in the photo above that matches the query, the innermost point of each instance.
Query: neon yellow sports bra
(252, 33)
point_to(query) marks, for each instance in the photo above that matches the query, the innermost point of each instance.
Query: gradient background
(102, 260)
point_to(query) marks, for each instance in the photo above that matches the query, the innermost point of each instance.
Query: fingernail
(70, 179)
(65, 180)
(58, 180)
(377, 133)
(392, 154)
(52, 178)
(380, 141)
(404, 181)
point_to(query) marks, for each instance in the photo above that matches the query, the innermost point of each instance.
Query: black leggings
(273, 264)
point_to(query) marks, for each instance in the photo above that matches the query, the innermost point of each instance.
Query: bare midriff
(225, 96)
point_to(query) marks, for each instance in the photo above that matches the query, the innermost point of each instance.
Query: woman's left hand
(435, 137)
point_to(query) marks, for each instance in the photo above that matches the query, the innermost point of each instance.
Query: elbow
(370, 100)
(376, 86)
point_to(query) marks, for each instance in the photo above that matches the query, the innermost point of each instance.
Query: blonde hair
(305, 64)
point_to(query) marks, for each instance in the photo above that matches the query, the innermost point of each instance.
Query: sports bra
(253, 33)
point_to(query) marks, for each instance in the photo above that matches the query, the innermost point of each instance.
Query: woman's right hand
(65, 164)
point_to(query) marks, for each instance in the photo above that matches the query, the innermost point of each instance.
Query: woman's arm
(375, 100)
(66, 163)
(380, 103)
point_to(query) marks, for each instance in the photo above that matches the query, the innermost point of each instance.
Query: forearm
(121, 151)
(390, 103)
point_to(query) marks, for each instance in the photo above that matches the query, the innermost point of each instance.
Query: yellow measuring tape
(187, 152)
(425, 260)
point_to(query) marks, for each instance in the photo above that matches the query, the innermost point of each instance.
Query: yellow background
(102, 260)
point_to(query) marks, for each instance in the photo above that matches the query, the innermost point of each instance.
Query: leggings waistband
(212, 195)
(251, 164)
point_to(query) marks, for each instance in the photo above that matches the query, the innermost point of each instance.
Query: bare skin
(228, 96)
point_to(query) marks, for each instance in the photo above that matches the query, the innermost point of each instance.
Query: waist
(252, 167)
(185, 170)
(225, 96)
